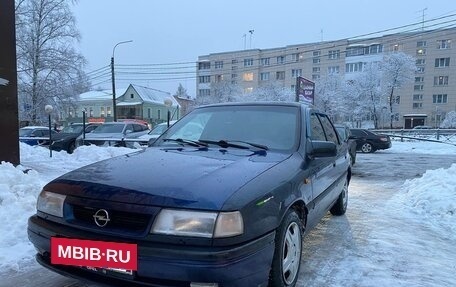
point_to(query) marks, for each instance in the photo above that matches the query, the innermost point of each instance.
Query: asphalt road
(360, 248)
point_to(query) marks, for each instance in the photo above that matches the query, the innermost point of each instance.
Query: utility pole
(114, 80)
(245, 37)
(9, 120)
(251, 34)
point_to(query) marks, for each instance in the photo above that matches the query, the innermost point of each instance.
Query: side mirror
(321, 149)
(128, 131)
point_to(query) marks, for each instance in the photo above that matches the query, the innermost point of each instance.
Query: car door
(320, 168)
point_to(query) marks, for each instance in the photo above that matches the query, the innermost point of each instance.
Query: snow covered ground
(397, 208)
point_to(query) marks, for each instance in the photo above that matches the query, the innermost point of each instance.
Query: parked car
(344, 133)
(35, 135)
(151, 136)
(113, 133)
(367, 141)
(226, 208)
(66, 139)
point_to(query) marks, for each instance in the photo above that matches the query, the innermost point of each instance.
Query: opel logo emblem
(101, 217)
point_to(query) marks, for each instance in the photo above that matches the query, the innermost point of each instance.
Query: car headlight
(198, 224)
(51, 203)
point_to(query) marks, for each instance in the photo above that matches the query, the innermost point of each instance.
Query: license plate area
(98, 256)
(112, 272)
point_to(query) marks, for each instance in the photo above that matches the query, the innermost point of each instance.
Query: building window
(159, 114)
(315, 77)
(234, 82)
(421, 44)
(397, 100)
(91, 112)
(234, 62)
(280, 59)
(264, 76)
(248, 90)
(420, 70)
(204, 92)
(132, 96)
(204, 79)
(218, 78)
(264, 61)
(354, 67)
(439, 99)
(316, 53)
(148, 113)
(234, 76)
(375, 49)
(296, 73)
(421, 61)
(418, 97)
(396, 47)
(442, 62)
(204, 65)
(296, 57)
(316, 70)
(418, 87)
(248, 77)
(218, 65)
(108, 111)
(417, 105)
(354, 51)
(441, 81)
(280, 75)
(248, 62)
(316, 60)
(334, 54)
(102, 112)
(443, 44)
(419, 79)
(421, 52)
(333, 70)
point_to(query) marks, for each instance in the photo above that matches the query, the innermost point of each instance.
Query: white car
(157, 131)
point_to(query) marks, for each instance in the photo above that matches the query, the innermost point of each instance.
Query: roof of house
(150, 95)
(101, 95)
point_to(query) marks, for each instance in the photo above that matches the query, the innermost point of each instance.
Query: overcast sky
(170, 31)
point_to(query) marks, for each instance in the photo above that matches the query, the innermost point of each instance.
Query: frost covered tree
(273, 92)
(329, 94)
(50, 70)
(221, 92)
(398, 70)
(450, 121)
(182, 92)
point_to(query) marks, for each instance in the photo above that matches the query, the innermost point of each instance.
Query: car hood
(179, 178)
(60, 136)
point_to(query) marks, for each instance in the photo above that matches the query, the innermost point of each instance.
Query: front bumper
(167, 265)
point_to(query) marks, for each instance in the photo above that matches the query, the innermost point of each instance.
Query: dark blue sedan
(228, 206)
(35, 135)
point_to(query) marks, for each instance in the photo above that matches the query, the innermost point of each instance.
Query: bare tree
(181, 92)
(398, 69)
(49, 68)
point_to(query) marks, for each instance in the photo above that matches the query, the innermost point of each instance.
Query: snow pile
(421, 147)
(19, 191)
(433, 196)
(18, 194)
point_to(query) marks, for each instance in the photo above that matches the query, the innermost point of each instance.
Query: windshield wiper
(186, 141)
(233, 143)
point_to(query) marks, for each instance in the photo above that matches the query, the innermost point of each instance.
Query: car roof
(34, 127)
(294, 104)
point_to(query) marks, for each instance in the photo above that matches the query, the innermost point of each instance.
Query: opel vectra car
(228, 207)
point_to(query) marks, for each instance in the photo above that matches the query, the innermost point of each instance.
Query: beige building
(423, 102)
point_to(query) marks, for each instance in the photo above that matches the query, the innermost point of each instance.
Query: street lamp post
(168, 103)
(48, 109)
(114, 80)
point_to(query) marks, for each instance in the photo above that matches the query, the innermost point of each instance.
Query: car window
(25, 132)
(317, 132)
(137, 128)
(128, 128)
(342, 133)
(330, 132)
(90, 128)
(38, 133)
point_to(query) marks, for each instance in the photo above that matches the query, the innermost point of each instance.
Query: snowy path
(379, 242)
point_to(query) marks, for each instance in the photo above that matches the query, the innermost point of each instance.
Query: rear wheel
(367, 148)
(287, 254)
(340, 206)
(71, 147)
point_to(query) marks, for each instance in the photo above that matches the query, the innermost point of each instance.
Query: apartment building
(423, 102)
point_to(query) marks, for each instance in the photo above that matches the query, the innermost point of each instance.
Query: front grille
(135, 222)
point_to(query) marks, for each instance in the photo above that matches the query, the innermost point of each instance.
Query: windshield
(109, 129)
(272, 126)
(25, 132)
(73, 129)
(158, 130)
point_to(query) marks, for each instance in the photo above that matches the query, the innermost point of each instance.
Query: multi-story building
(423, 102)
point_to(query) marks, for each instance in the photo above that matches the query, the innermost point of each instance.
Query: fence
(447, 136)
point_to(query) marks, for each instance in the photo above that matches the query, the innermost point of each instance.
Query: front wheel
(287, 254)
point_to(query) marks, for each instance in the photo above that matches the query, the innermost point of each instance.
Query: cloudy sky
(179, 31)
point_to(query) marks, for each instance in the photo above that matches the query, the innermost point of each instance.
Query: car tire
(71, 147)
(341, 204)
(367, 148)
(288, 249)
